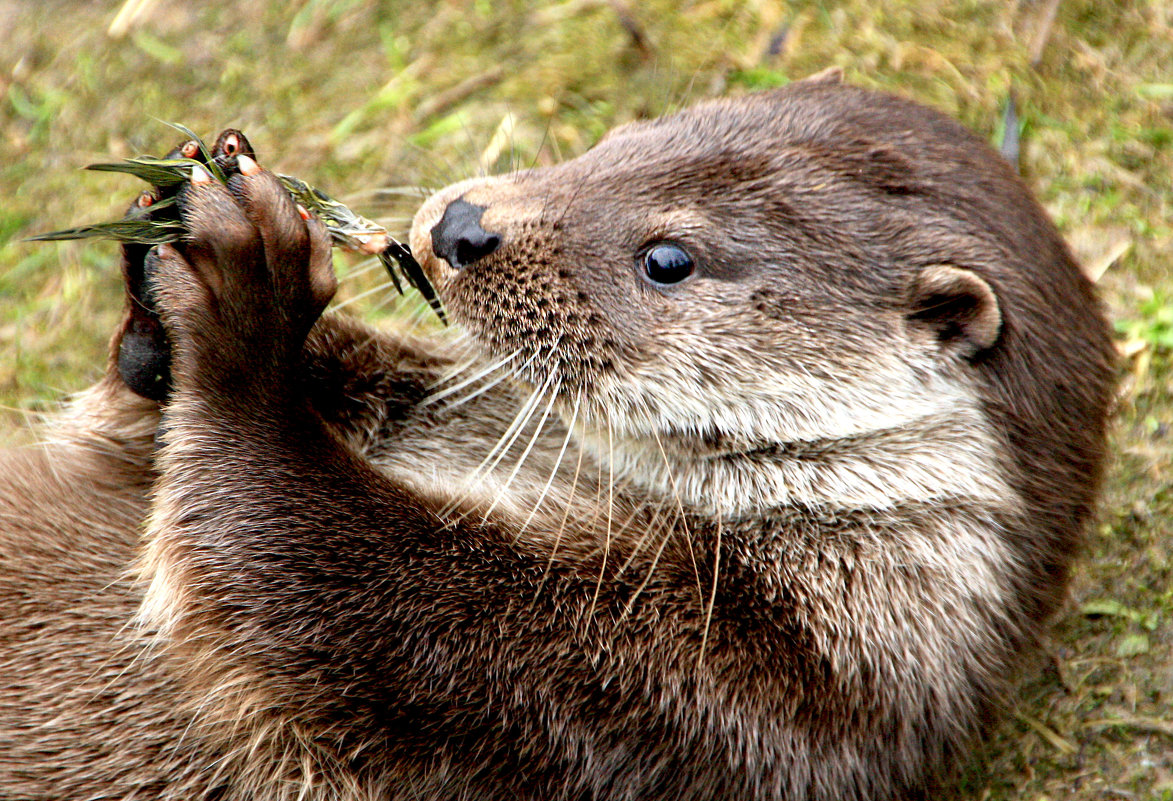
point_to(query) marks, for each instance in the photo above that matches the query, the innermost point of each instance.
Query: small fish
(354, 232)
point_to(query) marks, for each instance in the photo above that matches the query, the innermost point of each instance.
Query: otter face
(746, 276)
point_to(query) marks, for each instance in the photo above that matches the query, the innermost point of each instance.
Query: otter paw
(239, 293)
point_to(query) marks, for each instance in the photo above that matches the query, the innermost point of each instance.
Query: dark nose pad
(459, 239)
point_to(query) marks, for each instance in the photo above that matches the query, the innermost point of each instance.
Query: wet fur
(806, 512)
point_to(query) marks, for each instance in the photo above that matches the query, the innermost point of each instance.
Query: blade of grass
(157, 172)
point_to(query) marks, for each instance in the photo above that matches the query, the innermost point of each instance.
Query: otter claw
(247, 165)
(230, 146)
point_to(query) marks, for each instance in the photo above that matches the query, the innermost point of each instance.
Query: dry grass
(356, 96)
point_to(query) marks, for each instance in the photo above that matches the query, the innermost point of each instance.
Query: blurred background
(380, 102)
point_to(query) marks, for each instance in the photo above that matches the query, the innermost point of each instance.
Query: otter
(756, 472)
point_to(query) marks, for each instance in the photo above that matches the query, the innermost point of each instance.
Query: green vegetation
(371, 101)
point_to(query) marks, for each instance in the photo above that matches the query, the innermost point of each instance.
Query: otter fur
(760, 467)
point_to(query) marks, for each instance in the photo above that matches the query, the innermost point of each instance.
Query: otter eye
(667, 264)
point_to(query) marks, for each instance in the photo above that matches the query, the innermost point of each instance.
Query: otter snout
(458, 237)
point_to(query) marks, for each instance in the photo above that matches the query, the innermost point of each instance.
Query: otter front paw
(240, 291)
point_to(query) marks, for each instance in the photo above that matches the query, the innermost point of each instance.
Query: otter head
(804, 296)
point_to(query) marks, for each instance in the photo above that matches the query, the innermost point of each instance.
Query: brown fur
(784, 530)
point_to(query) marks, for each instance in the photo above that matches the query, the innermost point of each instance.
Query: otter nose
(459, 238)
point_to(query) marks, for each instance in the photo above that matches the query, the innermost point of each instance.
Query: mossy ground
(358, 96)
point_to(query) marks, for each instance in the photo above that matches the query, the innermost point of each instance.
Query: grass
(357, 96)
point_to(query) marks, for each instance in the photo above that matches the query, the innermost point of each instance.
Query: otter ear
(831, 75)
(959, 307)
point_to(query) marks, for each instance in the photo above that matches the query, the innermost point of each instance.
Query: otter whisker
(482, 471)
(196, 715)
(631, 518)
(464, 357)
(46, 445)
(712, 597)
(462, 340)
(630, 605)
(30, 417)
(520, 421)
(391, 298)
(610, 516)
(557, 464)
(455, 372)
(622, 528)
(481, 170)
(471, 357)
(499, 449)
(362, 268)
(542, 142)
(683, 522)
(565, 513)
(570, 201)
(439, 396)
(413, 192)
(513, 156)
(410, 322)
(481, 390)
(377, 288)
(50, 461)
(595, 505)
(528, 448)
(509, 374)
(414, 321)
(635, 551)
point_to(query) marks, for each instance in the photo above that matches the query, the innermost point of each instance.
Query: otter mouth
(715, 447)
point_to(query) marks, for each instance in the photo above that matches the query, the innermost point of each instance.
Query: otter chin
(756, 471)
